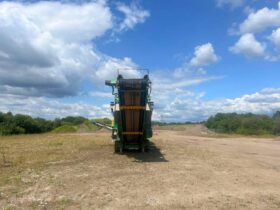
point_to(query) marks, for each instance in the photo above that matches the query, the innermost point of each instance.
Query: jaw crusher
(132, 112)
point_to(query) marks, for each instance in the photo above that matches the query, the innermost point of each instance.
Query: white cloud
(266, 101)
(89, 20)
(46, 47)
(204, 55)
(108, 69)
(248, 46)
(101, 94)
(192, 72)
(175, 86)
(248, 10)
(47, 50)
(275, 37)
(231, 3)
(51, 108)
(174, 100)
(260, 20)
(185, 106)
(163, 84)
(133, 15)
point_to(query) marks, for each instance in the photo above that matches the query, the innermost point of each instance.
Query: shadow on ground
(152, 155)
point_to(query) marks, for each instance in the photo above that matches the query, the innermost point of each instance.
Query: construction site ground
(186, 168)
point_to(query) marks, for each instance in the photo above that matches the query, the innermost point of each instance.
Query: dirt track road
(180, 172)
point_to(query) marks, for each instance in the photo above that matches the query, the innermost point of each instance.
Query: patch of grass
(85, 127)
(65, 129)
(55, 144)
(91, 126)
(9, 207)
(30, 154)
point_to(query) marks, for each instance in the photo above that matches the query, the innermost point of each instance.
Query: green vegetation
(246, 124)
(105, 121)
(65, 129)
(23, 157)
(91, 126)
(173, 123)
(23, 124)
(231, 123)
(174, 127)
(20, 124)
(86, 126)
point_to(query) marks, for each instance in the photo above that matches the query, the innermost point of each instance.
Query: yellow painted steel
(132, 133)
(132, 107)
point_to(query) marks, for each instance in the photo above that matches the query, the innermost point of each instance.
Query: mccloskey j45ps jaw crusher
(132, 111)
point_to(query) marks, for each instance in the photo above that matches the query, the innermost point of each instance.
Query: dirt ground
(183, 170)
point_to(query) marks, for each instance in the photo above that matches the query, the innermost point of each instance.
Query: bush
(24, 124)
(11, 128)
(276, 115)
(276, 127)
(73, 120)
(247, 124)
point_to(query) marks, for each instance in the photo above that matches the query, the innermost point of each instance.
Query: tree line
(24, 124)
(246, 124)
(174, 123)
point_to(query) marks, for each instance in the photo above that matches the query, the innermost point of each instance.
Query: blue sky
(204, 56)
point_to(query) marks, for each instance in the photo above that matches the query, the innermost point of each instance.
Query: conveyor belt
(132, 94)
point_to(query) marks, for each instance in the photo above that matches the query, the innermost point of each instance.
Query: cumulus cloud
(186, 106)
(175, 85)
(101, 94)
(46, 47)
(266, 101)
(275, 37)
(175, 101)
(204, 55)
(231, 3)
(192, 72)
(248, 46)
(167, 89)
(260, 20)
(189, 74)
(50, 108)
(133, 15)
(107, 69)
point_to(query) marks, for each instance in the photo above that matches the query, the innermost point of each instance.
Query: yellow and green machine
(132, 111)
